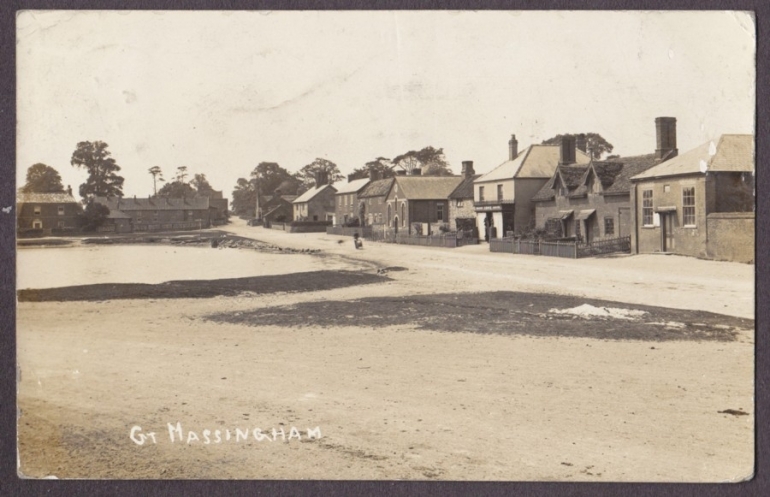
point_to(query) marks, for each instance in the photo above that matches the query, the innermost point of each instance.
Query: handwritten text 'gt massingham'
(208, 437)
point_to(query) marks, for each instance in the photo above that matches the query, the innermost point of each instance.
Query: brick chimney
(69, 190)
(321, 178)
(567, 150)
(580, 142)
(513, 148)
(665, 128)
(467, 170)
(350, 178)
(416, 171)
(374, 175)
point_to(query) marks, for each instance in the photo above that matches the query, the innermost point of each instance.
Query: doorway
(668, 243)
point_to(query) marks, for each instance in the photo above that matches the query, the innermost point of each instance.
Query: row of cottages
(593, 201)
(153, 213)
(700, 203)
(503, 197)
(47, 212)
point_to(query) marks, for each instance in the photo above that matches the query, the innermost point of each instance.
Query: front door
(667, 232)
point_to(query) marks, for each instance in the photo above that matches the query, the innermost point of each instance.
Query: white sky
(220, 92)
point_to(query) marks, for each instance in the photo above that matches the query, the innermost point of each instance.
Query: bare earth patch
(503, 313)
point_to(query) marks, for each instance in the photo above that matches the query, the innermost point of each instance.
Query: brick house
(502, 197)
(47, 212)
(373, 196)
(316, 204)
(462, 214)
(593, 201)
(419, 199)
(347, 205)
(161, 213)
(700, 203)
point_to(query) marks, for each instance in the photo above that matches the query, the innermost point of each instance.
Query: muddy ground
(464, 366)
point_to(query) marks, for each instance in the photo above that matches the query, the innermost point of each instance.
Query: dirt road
(399, 400)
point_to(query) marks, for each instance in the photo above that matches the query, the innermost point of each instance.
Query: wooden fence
(364, 231)
(567, 249)
(447, 240)
(190, 225)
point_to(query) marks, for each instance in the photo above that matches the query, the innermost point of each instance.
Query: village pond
(152, 264)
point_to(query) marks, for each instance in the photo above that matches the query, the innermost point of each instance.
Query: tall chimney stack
(580, 142)
(374, 175)
(567, 150)
(69, 190)
(467, 170)
(350, 178)
(665, 128)
(513, 148)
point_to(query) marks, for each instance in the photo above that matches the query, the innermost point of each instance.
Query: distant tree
(596, 145)
(380, 164)
(157, 175)
(176, 189)
(430, 160)
(308, 173)
(202, 186)
(181, 174)
(94, 214)
(268, 176)
(102, 170)
(244, 198)
(42, 179)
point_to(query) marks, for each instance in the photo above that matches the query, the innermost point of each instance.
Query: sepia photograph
(386, 245)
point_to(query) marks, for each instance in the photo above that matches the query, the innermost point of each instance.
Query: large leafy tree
(429, 159)
(202, 186)
(94, 214)
(42, 179)
(596, 145)
(268, 176)
(308, 173)
(102, 169)
(380, 164)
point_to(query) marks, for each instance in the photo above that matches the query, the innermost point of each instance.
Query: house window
(609, 226)
(688, 206)
(60, 224)
(647, 207)
(37, 224)
(459, 203)
(315, 218)
(440, 212)
(37, 210)
(499, 192)
(481, 194)
(61, 210)
(390, 215)
(403, 215)
(577, 230)
(340, 200)
(666, 188)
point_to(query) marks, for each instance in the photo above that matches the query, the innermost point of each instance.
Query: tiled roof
(352, 186)
(153, 204)
(464, 189)
(427, 187)
(536, 161)
(731, 153)
(310, 194)
(377, 188)
(45, 198)
(569, 176)
(631, 167)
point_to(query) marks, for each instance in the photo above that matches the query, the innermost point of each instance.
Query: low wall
(348, 231)
(731, 236)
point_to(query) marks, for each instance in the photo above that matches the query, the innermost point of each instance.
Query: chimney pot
(567, 150)
(467, 171)
(665, 128)
(513, 148)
